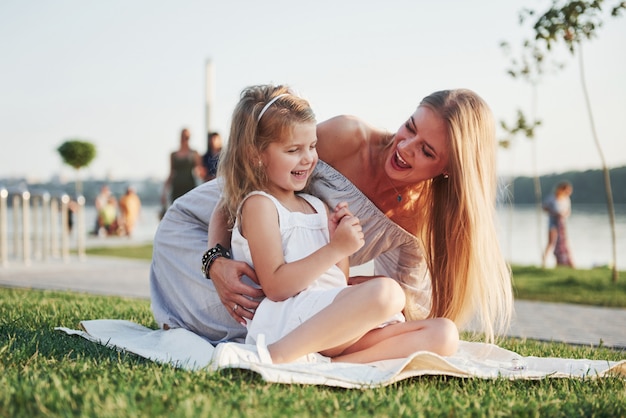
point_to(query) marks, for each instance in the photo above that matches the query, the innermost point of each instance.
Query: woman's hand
(354, 280)
(240, 299)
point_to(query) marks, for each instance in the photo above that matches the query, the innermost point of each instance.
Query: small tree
(571, 22)
(527, 129)
(529, 66)
(77, 154)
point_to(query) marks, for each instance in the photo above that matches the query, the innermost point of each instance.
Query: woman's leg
(355, 311)
(437, 335)
(561, 248)
(552, 234)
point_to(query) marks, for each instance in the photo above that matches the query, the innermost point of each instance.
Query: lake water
(522, 237)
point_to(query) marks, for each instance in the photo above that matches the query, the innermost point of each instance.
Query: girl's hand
(338, 213)
(348, 236)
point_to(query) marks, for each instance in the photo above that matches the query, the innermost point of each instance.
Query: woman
(559, 207)
(185, 166)
(433, 182)
(212, 156)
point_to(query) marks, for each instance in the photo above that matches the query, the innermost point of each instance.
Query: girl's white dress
(302, 234)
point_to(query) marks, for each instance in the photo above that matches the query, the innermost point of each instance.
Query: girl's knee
(391, 294)
(386, 293)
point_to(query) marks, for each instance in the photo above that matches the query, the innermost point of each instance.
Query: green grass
(141, 252)
(48, 373)
(587, 287)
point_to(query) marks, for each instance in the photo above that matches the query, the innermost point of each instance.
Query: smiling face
(290, 162)
(420, 149)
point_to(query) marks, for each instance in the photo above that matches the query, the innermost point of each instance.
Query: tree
(529, 66)
(527, 129)
(77, 154)
(571, 22)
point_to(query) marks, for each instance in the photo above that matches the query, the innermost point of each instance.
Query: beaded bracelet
(210, 256)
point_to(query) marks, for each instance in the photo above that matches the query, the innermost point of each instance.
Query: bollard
(81, 232)
(4, 228)
(16, 230)
(45, 223)
(65, 229)
(34, 222)
(54, 227)
(26, 227)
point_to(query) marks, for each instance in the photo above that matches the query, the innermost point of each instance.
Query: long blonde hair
(251, 134)
(470, 278)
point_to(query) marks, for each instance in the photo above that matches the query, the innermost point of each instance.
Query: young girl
(300, 252)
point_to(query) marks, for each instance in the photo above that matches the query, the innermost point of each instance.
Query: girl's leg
(437, 335)
(355, 311)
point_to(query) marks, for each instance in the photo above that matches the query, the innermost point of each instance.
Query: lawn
(587, 287)
(47, 373)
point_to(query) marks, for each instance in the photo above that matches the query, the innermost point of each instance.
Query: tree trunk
(536, 182)
(605, 169)
(79, 185)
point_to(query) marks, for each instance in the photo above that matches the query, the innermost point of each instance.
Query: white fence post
(40, 227)
(4, 228)
(26, 227)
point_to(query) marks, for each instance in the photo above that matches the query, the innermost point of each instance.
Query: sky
(129, 75)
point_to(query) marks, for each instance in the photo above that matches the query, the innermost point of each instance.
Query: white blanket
(184, 349)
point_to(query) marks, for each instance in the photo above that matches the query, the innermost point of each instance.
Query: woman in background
(559, 207)
(185, 167)
(212, 156)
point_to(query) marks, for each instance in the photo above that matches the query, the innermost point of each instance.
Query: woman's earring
(445, 174)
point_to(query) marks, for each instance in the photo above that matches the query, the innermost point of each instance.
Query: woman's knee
(447, 334)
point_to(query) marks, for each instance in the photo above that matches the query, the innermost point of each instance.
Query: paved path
(575, 324)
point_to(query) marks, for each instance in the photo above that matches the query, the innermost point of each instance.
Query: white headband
(268, 105)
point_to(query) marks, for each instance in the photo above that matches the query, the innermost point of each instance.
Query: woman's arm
(226, 274)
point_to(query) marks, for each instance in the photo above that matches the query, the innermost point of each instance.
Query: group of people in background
(116, 216)
(188, 168)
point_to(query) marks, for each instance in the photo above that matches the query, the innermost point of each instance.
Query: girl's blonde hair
(470, 278)
(251, 134)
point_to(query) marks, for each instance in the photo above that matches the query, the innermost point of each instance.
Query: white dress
(302, 234)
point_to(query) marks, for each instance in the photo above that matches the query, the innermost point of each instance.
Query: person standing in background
(108, 218)
(559, 207)
(101, 200)
(212, 155)
(185, 167)
(130, 206)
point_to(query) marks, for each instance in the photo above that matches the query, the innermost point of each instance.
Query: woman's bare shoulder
(341, 136)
